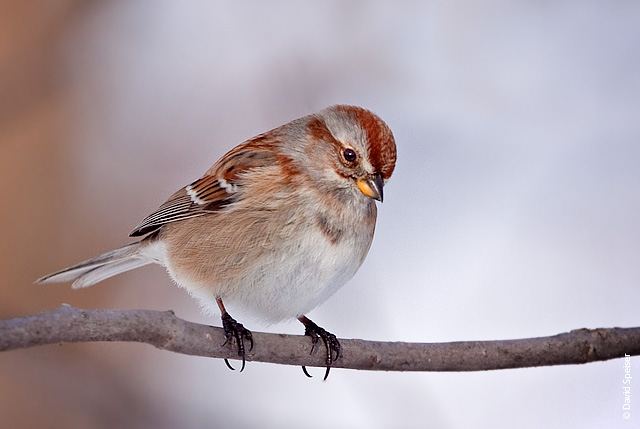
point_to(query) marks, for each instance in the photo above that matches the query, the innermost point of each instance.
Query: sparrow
(275, 227)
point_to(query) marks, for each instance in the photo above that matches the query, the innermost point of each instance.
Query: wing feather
(215, 190)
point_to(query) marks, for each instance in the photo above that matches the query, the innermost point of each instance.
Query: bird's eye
(349, 155)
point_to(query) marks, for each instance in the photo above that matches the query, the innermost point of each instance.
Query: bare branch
(166, 331)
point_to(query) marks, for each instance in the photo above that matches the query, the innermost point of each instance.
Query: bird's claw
(331, 343)
(234, 330)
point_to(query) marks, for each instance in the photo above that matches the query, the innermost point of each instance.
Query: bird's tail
(92, 271)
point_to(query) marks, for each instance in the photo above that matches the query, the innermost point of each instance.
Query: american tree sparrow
(276, 226)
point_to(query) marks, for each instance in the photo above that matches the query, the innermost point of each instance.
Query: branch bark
(167, 332)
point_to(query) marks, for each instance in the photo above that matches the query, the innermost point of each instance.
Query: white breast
(289, 281)
(299, 277)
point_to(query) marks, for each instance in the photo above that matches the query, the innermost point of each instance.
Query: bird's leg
(235, 330)
(330, 341)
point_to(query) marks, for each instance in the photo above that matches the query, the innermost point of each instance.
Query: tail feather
(101, 267)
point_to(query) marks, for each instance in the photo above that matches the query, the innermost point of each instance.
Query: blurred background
(513, 211)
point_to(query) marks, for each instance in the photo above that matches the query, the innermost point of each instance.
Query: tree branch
(166, 331)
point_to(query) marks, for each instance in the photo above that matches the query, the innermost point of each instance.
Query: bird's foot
(235, 330)
(331, 343)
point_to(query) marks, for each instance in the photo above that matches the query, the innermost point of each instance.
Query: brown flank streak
(333, 235)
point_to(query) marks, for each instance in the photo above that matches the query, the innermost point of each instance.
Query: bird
(275, 227)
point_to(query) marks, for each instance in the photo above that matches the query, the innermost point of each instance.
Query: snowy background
(513, 210)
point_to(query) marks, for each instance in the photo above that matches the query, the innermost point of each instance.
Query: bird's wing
(213, 191)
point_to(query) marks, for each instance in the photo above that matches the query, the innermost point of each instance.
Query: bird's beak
(371, 186)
